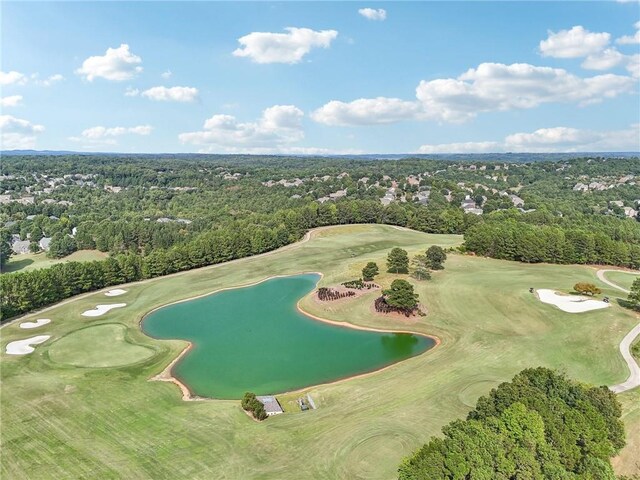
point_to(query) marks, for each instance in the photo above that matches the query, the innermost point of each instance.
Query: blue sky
(321, 77)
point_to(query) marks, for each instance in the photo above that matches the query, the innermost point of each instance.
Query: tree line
(539, 425)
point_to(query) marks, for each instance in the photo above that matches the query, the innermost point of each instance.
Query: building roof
(271, 404)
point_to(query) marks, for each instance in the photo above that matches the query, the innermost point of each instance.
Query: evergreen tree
(634, 294)
(369, 271)
(398, 261)
(436, 257)
(420, 268)
(401, 295)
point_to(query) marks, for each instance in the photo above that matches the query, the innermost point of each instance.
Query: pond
(255, 339)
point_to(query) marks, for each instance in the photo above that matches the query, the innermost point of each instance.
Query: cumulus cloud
(17, 133)
(50, 80)
(556, 139)
(489, 87)
(631, 39)
(290, 47)
(574, 43)
(171, 94)
(373, 13)
(166, 74)
(12, 77)
(633, 65)
(106, 135)
(278, 127)
(131, 92)
(117, 64)
(11, 101)
(367, 111)
(604, 60)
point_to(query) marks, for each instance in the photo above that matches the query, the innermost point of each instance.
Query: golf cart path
(625, 346)
(602, 278)
(625, 349)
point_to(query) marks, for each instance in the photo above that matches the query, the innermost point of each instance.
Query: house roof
(270, 403)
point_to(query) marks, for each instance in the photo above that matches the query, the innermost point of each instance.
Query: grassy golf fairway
(33, 261)
(622, 278)
(61, 421)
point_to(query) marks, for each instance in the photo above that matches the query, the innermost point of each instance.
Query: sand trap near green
(570, 303)
(98, 346)
(24, 347)
(38, 323)
(102, 309)
(115, 292)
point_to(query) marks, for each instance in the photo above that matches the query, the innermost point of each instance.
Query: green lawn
(59, 421)
(622, 278)
(33, 261)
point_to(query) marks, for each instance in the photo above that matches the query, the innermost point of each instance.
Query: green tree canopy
(398, 261)
(401, 295)
(436, 257)
(540, 425)
(420, 267)
(369, 271)
(634, 293)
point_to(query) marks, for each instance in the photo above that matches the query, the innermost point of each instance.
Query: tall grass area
(64, 421)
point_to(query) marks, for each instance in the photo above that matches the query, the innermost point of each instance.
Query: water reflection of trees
(400, 343)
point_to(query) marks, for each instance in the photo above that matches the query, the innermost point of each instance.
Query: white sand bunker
(23, 347)
(102, 309)
(115, 292)
(570, 303)
(38, 323)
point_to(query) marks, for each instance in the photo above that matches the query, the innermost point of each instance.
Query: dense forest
(539, 425)
(157, 215)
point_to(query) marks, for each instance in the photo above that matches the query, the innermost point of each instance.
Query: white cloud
(131, 92)
(373, 14)
(50, 80)
(290, 47)
(499, 87)
(557, 139)
(633, 65)
(18, 134)
(279, 126)
(11, 101)
(574, 43)
(166, 74)
(100, 132)
(117, 64)
(631, 39)
(489, 87)
(367, 111)
(12, 77)
(603, 60)
(172, 94)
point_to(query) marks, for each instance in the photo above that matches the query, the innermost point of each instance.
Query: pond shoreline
(167, 374)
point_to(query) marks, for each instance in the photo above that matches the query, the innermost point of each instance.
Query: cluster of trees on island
(539, 425)
(254, 406)
(327, 294)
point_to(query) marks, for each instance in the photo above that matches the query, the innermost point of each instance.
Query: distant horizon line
(327, 155)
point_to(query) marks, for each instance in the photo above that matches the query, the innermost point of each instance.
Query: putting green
(98, 347)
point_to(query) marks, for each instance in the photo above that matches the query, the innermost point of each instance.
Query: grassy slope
(65, 422)
(624, 279)
(33, 261)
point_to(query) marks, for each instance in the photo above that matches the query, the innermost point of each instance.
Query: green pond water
(254, 339)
